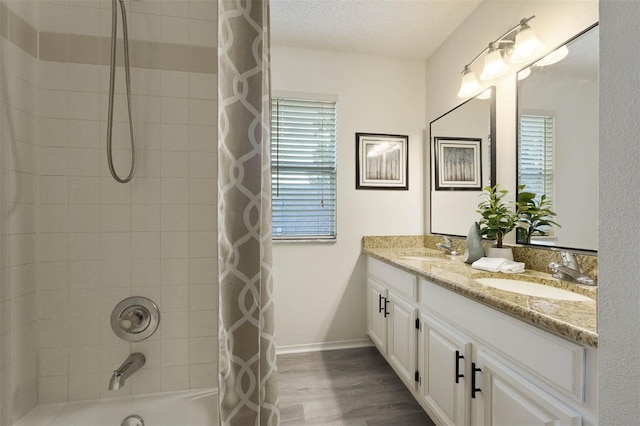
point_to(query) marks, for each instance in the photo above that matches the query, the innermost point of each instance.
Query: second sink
(533, 289)
(422, 258)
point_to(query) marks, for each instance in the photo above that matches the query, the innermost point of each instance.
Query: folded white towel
(498, 264)
(511, 267)
(491, 264)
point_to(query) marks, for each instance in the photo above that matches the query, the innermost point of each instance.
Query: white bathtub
(187, 408)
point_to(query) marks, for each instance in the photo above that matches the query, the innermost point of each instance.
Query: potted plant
(498, 219)
(535, 216)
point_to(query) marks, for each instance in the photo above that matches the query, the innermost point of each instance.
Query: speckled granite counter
(575, 321)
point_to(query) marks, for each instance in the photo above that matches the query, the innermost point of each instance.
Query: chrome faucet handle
(135, 318)
(568, 259)
(447, 240)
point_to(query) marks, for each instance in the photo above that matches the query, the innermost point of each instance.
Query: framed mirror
(463, 161)
(557, 152)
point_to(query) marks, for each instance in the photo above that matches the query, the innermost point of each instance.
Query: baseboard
(326, 346)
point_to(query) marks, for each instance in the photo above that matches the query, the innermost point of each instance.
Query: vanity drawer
(393, 278)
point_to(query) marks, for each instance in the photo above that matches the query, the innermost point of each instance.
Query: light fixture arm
(523, 22)
(486, 49)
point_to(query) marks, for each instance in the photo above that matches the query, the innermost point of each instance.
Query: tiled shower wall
(18, 209)
(99, 241)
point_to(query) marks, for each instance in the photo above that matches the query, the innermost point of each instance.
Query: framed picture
(458, 164)
(382, 161)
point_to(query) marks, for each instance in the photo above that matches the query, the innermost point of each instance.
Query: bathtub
(185, 408)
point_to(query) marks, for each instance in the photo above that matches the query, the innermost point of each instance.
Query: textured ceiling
(401, 28)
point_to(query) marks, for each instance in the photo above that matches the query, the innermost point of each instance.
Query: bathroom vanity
(477, 354)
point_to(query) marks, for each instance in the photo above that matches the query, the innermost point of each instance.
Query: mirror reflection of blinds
(535, 159)
(303, 169)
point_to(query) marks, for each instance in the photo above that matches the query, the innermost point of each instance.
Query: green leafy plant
(535, 216)
(499, 217)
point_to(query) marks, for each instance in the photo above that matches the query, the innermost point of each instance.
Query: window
(303, 169)
(535, 159)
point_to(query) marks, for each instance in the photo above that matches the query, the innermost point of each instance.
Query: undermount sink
(422, 258)
(532, 289)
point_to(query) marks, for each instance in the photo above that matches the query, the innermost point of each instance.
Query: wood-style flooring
(354, 387)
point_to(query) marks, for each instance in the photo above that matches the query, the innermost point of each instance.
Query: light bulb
(469, 84)
(494, 65)
(527, 45)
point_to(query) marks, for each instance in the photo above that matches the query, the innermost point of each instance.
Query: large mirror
(558, 142)
(463, 152)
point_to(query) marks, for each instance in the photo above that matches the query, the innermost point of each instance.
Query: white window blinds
(303, 169)
(535, 159)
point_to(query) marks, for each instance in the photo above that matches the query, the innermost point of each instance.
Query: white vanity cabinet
(512, 373)
(392, 313)
(474, 365)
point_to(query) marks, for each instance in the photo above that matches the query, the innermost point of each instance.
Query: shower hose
(114, 29)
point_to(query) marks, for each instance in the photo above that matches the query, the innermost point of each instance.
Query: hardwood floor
(354, 387)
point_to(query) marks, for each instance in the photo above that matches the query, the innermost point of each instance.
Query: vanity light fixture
(518, 45)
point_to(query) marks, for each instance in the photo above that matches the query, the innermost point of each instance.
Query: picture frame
(458, 163)
(382, 161)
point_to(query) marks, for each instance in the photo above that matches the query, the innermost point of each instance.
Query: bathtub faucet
(128, 367)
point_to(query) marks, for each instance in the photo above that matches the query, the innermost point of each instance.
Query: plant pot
(503, 252)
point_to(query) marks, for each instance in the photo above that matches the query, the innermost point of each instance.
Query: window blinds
(535, 159)
(303, 169)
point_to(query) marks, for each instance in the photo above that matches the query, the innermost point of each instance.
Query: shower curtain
(248, 393)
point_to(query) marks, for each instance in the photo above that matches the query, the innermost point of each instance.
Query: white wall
(555, 23)
(320, 288)
(618, 260)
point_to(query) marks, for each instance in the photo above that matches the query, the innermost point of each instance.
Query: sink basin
(532, 289)
(423, 258)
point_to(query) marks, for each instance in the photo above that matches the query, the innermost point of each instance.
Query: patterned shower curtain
(248, 393)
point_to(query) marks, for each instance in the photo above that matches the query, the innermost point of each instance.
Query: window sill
(305, 241)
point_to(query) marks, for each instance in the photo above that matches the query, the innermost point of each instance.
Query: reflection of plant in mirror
(498, 219)
(535, 216)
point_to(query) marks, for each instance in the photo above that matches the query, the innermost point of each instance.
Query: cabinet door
(377, 305)
(402, 350)
(444, 357)
(507, 398)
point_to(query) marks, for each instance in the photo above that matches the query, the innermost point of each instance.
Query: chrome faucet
(128, 367)
(447, 246)
(569, 269)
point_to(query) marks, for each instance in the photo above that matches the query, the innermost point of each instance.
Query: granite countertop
(573, 320)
